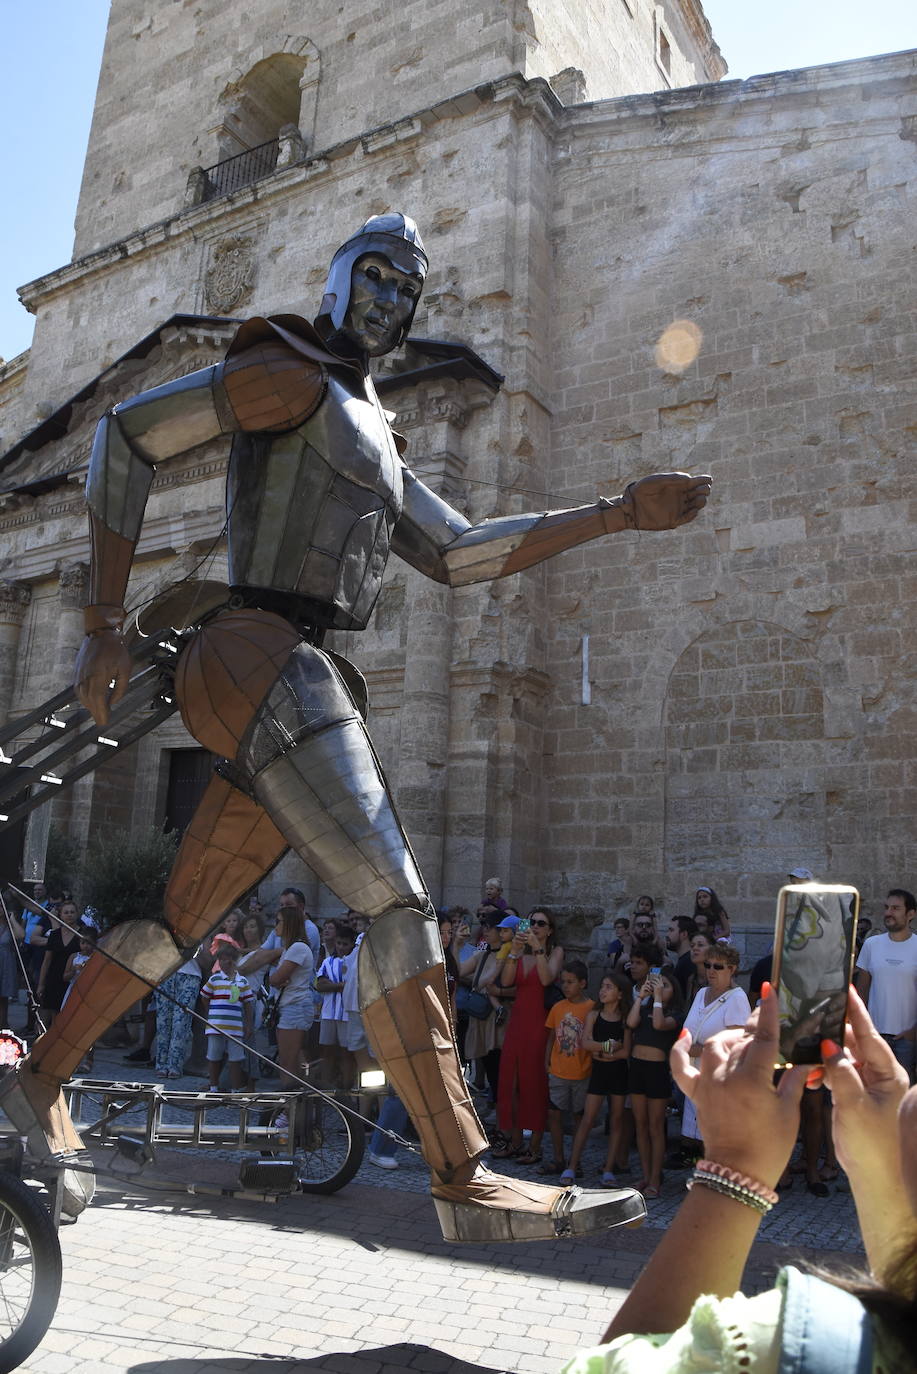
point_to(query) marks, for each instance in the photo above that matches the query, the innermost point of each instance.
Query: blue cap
(508, 923)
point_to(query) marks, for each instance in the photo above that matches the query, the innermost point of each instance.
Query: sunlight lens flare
(678, 346)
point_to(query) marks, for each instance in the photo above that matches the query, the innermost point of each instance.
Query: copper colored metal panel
(228, 847)
(410, 1032)
(226, 672)
(102, 993)
(271, 387)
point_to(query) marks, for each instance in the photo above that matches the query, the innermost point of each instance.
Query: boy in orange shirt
(568, 1064)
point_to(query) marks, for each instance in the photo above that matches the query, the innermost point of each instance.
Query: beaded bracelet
(710, 1166)
(732, 1190)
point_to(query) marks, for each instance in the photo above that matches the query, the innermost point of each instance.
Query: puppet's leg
(227, 848)
(312, 767)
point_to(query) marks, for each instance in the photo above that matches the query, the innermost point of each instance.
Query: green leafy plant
(63, 863)
(125, 876)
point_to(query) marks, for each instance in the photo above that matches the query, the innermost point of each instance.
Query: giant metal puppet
(318, 497)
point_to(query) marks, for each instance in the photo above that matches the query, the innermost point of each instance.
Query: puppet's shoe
(491, 1207)
(35, 1106)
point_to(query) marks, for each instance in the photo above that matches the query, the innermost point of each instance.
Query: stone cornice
(698, 26)
(13, 370)
(514, 90)
(803, 85)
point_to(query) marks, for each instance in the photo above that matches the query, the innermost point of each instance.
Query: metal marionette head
(395, 237)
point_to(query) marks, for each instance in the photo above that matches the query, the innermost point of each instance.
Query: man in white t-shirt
(886, 977)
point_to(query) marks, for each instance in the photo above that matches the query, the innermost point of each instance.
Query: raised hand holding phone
(813, 963)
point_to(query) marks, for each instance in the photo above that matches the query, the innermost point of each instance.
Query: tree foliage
(63, 863)
(124, 876)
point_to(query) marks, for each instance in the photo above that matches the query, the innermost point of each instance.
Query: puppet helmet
(397, 238)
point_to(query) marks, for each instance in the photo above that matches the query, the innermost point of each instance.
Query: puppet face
(382, 301)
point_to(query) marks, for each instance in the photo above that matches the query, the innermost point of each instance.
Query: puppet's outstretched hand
(665, 500)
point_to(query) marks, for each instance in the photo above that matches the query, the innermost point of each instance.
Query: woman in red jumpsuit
(534, 962)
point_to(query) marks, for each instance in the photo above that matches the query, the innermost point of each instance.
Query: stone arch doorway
(745, 757)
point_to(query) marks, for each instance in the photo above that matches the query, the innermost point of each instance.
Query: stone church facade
(645, 713)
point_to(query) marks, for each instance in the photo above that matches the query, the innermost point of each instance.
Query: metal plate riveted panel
(312, 511)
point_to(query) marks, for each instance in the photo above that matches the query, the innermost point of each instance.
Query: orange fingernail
(814, 1078)
(766, 991)
(829, 1048)
(682, 1034)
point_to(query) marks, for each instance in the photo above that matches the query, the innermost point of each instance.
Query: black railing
(240, 170)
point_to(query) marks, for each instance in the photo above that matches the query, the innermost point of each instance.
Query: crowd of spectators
(548, 1060)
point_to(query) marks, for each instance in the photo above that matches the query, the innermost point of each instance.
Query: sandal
(650, 1192)
(608, 1180)
(551, 1166)
(567, 1178)
(507, 1151)
(526, 1158)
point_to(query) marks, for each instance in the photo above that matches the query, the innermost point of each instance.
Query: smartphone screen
(813, 964)
(524, 926)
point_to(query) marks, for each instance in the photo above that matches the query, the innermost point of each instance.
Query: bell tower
(222, 81)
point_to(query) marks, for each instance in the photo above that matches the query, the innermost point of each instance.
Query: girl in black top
(608, 1040)
(52, 985)
(655, 1019)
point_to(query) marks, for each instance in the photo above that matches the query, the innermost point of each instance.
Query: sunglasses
(538, 923)
(707, 964)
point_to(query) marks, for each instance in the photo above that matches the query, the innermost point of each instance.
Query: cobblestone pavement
(356, 1283)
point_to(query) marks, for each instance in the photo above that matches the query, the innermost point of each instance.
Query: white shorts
(333, 1032)
(219, 1048)
(296, 1016)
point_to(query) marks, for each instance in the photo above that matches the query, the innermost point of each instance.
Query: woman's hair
(623, 985)
(714, 911)
(676, 1005)
(728, 953)
(254, 919)
(452, 969)
(293, 925)
(232, 921)
(552, 932)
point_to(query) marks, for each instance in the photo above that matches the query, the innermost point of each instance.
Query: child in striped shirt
(229, 1008)
(333, 1032)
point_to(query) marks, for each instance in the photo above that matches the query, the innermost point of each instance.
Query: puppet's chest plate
(312, 511)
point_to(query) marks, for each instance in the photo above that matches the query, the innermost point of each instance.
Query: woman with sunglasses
(533, 963)
(719, 1006)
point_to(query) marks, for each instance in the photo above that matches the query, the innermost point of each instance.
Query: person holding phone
(534, 962)
(654, 1019)
(721, 1005)
(808, 1323)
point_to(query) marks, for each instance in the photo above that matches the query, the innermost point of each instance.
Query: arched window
(266, 120)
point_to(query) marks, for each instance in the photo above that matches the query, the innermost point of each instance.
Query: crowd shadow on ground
(387, 1359)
